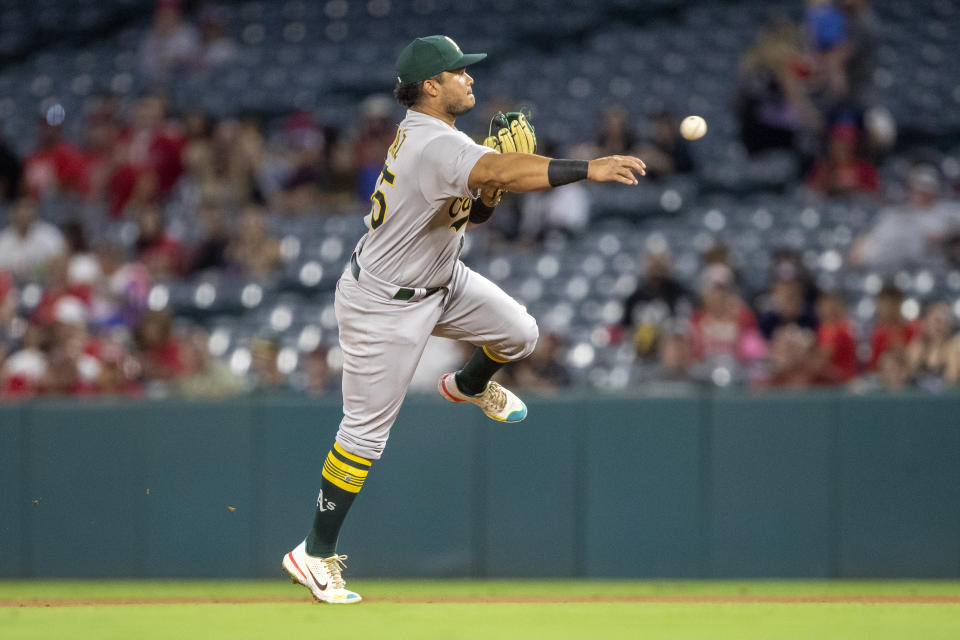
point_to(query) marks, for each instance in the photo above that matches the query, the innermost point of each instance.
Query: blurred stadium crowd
(181, 190)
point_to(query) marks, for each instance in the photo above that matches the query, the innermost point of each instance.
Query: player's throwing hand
(616, 169)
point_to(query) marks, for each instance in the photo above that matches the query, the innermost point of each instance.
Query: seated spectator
(772, 103)
(234, 156)
(785, 306)
(60, 283)
(55, 166)
(171, 44)
(160, 352)
(674, 360)
(161, 254)
(203, 375)
(658, 297)
(544, 369)
(321, 379)
(149, 157)
(893, 371)
(723, 326)
(83, 269)
(826, 30)
(197, 154)
(217, 48)
(252, 249)
(616, 135)
(904, 234)
(298, 162)
(121, 293)
(25, 370)
(664, 152)
(790, 352)
(75, 366)
(211, 253)
(99, 153)
(118, 370)
(787, 264)
(843, 172)
(858, 54)
(27, 244)
(265, 373)
(720, 254)
(891, 330)
(933, 358)
(835, 360)
(376, 129)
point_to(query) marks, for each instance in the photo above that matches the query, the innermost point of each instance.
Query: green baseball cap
(426, 57)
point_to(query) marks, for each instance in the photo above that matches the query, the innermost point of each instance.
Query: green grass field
(144, 610)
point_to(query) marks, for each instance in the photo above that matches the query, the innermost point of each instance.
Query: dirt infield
(866, 600)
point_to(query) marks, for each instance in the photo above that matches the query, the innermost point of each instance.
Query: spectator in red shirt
(790, 350)
(723, 325)
(150, 153)
(55, 166)
(116, 367)
(62, 283)
(843, 172)
(891, 331)
(24, 371)
(74, 354)
(835, 360)
(160, 352)
(99, 155)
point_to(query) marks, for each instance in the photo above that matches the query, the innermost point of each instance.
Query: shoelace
(495, 397)
(333, 565)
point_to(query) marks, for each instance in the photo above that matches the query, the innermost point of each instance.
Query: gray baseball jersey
(416, 224)
(421, 204)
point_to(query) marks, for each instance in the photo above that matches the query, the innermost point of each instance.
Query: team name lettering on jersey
(400, 138)
(458, 207)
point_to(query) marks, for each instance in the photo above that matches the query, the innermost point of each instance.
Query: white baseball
(693, 127)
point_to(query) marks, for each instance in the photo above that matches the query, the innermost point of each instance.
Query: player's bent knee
(523, 339)
(530, 337)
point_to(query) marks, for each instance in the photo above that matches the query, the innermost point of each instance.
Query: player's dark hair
(408, 94)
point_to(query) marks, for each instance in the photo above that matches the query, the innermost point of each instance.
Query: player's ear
(431, 86)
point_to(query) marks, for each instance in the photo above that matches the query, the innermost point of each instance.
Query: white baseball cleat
(498, 402)
(320, 575)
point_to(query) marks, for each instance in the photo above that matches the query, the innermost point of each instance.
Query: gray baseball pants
(382, 340)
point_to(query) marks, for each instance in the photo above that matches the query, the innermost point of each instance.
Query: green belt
(402, 293)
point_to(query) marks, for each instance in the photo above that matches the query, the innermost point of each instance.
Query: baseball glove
(511, 133)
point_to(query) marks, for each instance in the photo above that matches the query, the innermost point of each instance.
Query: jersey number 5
(379, 210)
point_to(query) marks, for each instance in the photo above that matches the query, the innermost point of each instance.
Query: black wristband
(479, 212)
(566, 171)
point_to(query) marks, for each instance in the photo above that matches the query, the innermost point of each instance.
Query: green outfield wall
(707, 486)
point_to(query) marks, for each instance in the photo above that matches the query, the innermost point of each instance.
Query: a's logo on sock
(325, 505)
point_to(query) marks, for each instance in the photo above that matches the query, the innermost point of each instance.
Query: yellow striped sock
(345, 470)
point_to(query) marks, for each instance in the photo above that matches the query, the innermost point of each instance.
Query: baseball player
(405, 282)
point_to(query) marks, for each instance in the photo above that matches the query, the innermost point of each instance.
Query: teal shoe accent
(518, 415)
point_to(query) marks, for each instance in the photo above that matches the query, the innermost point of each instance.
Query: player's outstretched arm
(523, 172)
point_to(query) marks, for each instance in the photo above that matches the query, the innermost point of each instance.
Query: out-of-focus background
(183, 182)
(182, 185)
